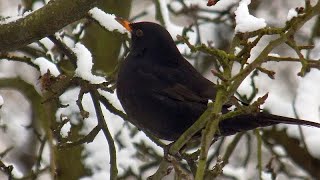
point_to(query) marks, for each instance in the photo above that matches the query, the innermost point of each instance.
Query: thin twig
(86, 139)
(23, 59)
(103, 125)
(65, 49)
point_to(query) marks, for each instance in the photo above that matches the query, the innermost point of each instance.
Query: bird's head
(148, 37)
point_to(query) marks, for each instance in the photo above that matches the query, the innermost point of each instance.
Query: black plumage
(163, 94)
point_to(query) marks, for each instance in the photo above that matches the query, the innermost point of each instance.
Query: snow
(316, 50)
(69, 97)
(171, 27)
(279, 150)
(77, 30)
(291, 14)
(312, 141)
(15, 171)
(176, 6)
(245, 22)
(223, 5)
(107, 20)
(100, 175)
(113, 100)
(11, 19)
(266, 175)
(232, 108)
(37, 5)
(84, 65)
(237, 172)
(97, 151)
(174, 29)
(15, 115)
(1, 100)
(274, 55)
(237, 50)
(46, 65)
(96, 154)
(65, 129)
(307, 105)
(308, 95)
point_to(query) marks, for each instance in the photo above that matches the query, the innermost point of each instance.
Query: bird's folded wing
(182, 93)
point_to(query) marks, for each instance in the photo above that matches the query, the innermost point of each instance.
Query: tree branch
(103, 125)
(43, 22)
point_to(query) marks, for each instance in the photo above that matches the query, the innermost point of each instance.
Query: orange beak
(124, 23)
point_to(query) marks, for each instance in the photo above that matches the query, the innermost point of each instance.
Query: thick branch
(43, 22)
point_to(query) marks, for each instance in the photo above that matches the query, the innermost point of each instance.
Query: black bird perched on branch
(163, 94)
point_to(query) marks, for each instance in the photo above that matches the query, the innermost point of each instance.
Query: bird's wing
(182, 93)
(167, 82)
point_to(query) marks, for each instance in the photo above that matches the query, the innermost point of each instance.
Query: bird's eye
(139, 33)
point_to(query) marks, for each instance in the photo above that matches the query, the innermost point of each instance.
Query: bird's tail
(247, 122)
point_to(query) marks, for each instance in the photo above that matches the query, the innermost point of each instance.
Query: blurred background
(289, 152)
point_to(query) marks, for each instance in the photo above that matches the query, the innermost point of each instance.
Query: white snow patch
(307, 105)
(84, 65)
(237, 172)
(107, 20)
(37, 5)
(245, 22)
(11, 19)
(291, 14)
(274, 55)
(279, 150)
(315, 53)
(112, 99)
(313, 144)
(96, 154)
(308, 95)
(266, 176)
(232, 108)
(237, 50)
(1, 100)
(78, 29)
(174, 29)
(46, 65)
(65, 129)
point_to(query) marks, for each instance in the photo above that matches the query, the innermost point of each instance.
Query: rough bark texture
(43, 22)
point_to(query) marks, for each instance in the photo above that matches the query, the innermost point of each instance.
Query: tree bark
(43, 22)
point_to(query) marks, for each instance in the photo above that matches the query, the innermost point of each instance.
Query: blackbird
(163, 94)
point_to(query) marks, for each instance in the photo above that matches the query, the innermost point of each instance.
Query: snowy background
(286, 91)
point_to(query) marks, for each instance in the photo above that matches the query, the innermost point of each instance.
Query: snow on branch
(107, 20)
(245, 21)
(84, 65)
(45, 66)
